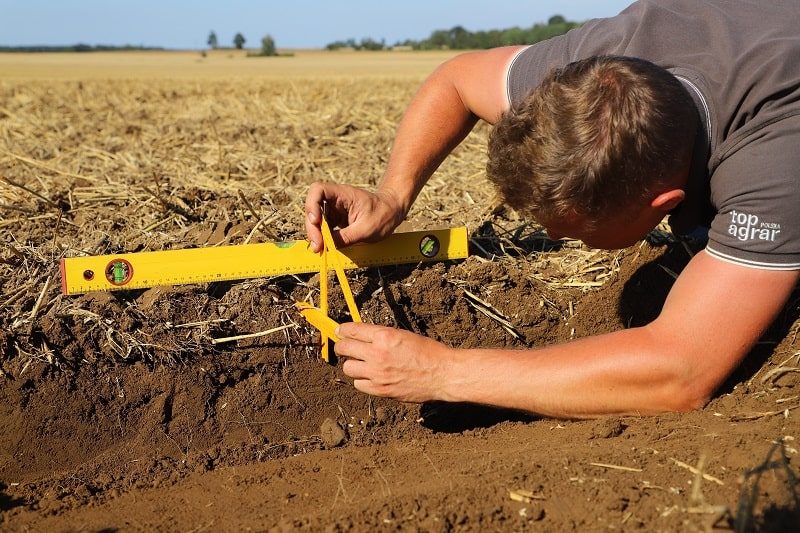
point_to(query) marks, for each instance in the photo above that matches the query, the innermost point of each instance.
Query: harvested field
(120, 412)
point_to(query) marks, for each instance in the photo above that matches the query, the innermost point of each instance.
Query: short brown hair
(600, 134)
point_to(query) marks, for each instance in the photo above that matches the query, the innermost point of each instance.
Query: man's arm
(713, 316)
(446, 107)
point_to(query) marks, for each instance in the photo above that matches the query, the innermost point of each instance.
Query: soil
(120, 413)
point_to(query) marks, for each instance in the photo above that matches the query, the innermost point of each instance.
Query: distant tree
(514, 36)
(368, 43)
(338, 45)
(459, 38)
(556, 19)
(439, 39)
(238, 41)
(268, 46)
(212, 39)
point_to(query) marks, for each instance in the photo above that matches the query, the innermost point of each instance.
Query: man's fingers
(313, 209)
(365, 386)
(343, 237)
(354, 368)
(314, 199)
(358, 331)
(338, 202)
(358, 371)
(314, 234)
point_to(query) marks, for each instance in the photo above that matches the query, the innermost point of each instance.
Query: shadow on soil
(7, 502)
(646, 291)
(445, 417)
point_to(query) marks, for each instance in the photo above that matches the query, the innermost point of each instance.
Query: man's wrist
(394, 201)
(453, 386)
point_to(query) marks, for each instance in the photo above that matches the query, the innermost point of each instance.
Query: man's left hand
(393, 363)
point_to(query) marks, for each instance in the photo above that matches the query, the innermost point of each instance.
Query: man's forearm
(622, 373)
(435, 122)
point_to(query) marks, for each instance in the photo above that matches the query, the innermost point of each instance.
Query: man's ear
(667, 201)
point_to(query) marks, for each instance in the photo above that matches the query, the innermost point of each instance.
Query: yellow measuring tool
(318, 317)
(140, 270)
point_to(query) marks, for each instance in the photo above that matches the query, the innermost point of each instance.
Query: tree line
(456, 38)
(459, 38)
(75, 48)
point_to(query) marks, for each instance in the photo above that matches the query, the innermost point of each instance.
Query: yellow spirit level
(201, 265)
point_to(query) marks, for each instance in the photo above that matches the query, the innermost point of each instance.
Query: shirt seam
(706, 108)
(750, 263)
(508, 74)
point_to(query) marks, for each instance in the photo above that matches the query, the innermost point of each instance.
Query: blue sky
(186, 24)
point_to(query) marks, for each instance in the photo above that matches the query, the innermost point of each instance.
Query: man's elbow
(689, 394)
(691, 401)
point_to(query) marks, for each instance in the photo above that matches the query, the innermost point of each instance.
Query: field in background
(217, 64)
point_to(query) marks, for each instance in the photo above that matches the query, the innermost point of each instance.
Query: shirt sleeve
(756, 191)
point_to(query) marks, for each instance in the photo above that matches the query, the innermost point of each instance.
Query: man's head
(601, 138)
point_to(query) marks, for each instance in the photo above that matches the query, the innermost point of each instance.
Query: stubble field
(133, 411)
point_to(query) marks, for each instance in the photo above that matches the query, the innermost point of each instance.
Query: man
(687, 108)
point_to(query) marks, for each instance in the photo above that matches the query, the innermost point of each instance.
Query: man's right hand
(360, 215)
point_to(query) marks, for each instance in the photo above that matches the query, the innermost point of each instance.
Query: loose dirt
(119, 412)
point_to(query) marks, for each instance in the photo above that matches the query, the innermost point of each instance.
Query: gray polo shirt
(740, 61)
